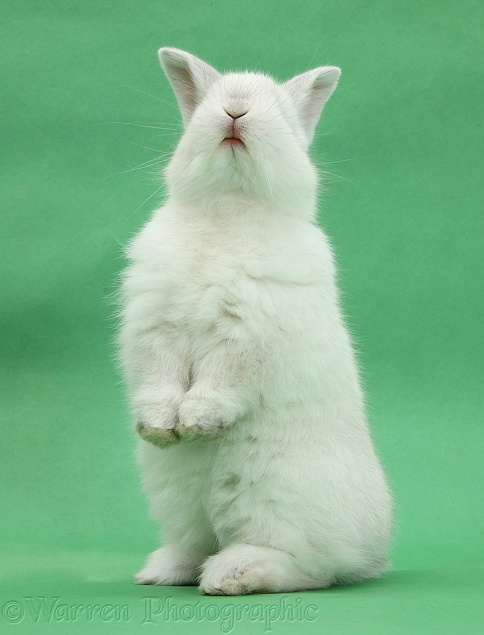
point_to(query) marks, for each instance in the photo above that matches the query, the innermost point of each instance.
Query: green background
(402, 141)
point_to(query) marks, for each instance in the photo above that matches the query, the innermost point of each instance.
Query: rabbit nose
(236, 114)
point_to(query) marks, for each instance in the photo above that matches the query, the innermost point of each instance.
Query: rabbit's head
(245, 133)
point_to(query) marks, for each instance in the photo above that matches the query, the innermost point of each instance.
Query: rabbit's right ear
(189, 76)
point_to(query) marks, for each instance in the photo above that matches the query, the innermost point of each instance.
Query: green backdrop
(401, 141)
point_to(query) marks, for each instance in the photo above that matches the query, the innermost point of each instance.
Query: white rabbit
(255, 451)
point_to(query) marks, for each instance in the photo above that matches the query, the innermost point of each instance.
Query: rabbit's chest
(205, 287)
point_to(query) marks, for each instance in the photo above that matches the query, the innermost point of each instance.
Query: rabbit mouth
(233, 141)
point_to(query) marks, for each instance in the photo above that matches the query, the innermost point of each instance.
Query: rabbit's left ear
(189, 77)
(310, 91)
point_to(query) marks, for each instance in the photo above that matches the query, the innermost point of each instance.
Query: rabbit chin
(221, 168)
(227, 170)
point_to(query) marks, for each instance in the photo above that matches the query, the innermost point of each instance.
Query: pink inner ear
(189, 76)
(183, 85)
(310, 92)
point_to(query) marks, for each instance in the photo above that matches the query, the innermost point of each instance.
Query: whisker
(163, 101)
(146, 164)
(368, 156)
(145, 201)
(144, 125)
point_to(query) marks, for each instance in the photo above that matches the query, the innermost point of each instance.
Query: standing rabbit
(255, 451)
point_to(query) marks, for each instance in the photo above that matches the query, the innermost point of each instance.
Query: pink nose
(236, 114)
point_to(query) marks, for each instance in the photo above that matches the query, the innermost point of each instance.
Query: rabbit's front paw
(203, 416)
(161, 437)
(156, 423)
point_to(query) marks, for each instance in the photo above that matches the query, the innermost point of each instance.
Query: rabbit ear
(189, 77)
(310, 91)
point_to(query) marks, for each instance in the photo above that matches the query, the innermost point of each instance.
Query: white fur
(256, 454)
